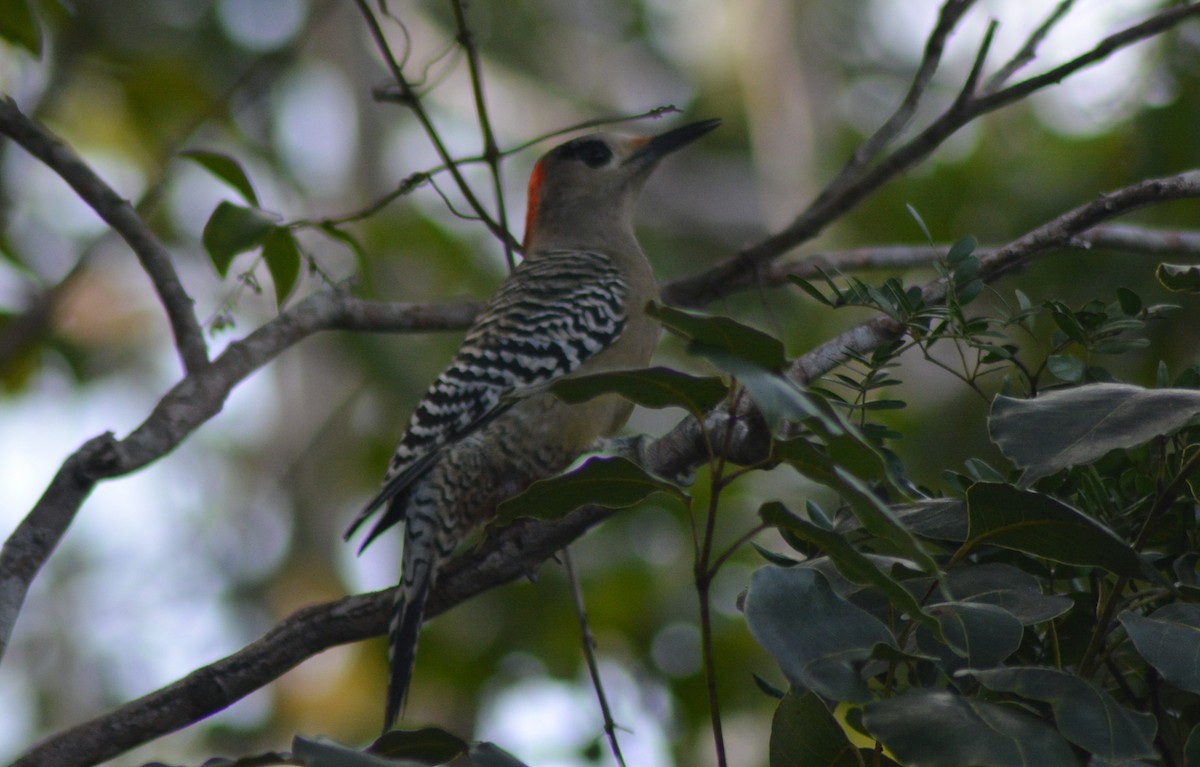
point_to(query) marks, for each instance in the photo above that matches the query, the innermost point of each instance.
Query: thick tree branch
(196, 398)
(507, 554)
(120, 215)
(747, 266)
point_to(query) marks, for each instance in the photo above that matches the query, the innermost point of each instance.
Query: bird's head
(593, 180)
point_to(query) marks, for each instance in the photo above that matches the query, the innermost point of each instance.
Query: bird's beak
(663, 144)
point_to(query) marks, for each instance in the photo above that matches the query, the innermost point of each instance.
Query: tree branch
(747, 266)
(196, 398)
(1063, 232)
(120, 215)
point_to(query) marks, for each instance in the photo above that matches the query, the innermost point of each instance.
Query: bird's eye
(593, 152)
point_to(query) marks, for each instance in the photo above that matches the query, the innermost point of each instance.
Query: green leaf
(428, 745)
(920, 221)
(960, 250)
(1076, 426)
(656, 387)
(817, 638)
(1191, 749)
(1086, 715)
(941, 519)
(1129, 301)
(933, 728)
(19, 26)
(233, 229)
(1066, 367)
(875, 515)
(322, 752)
(1022, 520)
(1012, 590)
(850, 562)
(490, 755)
(1181, 278)
(226, 169)
(778, 398)
(805, 734)
(723, 333)
(613, 483)
(1168, 639)
(978, 635)
(283, 262)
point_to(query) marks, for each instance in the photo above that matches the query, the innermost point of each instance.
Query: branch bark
(748, 266)
(120, 215)
(196, 398)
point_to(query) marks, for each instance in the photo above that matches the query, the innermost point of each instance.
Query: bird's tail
(420, 567)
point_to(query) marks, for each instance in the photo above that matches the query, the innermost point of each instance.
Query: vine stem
(589, 653)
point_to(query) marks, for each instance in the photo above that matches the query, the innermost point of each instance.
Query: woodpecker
(575, 304)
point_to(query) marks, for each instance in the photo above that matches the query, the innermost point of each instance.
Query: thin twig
(413, 102)
(952, 11)
(120, 215)
(1028, 51)
(740, 270)
(491, 151)
(416, 180)
(589, 654)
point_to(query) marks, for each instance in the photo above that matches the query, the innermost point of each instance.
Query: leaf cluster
(1046, 615)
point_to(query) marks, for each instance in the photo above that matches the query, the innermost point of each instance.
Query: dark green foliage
(981, 627)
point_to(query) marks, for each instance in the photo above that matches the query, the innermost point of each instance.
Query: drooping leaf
(1075, 426)
(322, 752)
(933, 728)
(1003, 515)
(872, 512)
(1014, 591)
(428, 745)
(282, 256)
(1181, 278)
(490, 755)
(724, 333)
(1086, 715)
(817, 638)
(779, 400)
(656, 387)
(941, 519)
(805, 734)
(233, 229)
(849, 561)
(1168, 639)
(1067, 367)
(960, 250)
(611, 482)
(19, 25)
(226, 169)
(978, 635)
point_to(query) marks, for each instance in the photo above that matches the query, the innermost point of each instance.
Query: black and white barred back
(556, 309)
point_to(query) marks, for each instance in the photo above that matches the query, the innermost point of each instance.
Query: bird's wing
(554, 311)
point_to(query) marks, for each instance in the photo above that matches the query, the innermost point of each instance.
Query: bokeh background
(201, 552)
